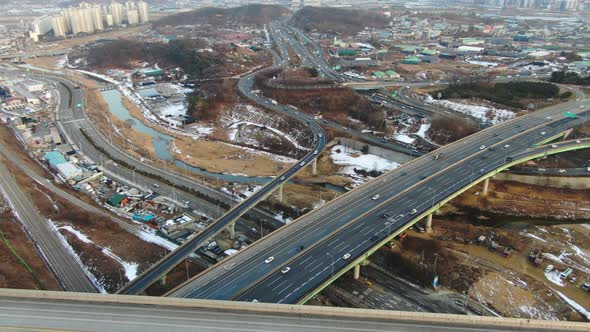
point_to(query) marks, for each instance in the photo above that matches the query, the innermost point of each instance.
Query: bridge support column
(314, 167)
(163, 281)
(486, 184)
(567, 133)
(280, 193)
(357, 272)
(232, 230)
(429, 223)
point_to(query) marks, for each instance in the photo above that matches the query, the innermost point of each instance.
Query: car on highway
(282, 178)
(578, 141)
(482, 147)
(376, 197)
(156, 185)
(398, 217)
(554, 146)
(374, 238)
(320, 135)
(582, 106)
(285, 270)
(414, 211)
(300, 248)
(186, 202)
(255, 301)
(302, 163)
(346, 256)
(270, 259)
(541, 169)
(542, 133)
(437, 156)
(561, 171)
(385, 215)
(506, 146)
(315, 152)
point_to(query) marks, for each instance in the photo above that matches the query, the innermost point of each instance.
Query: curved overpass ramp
(314, 245)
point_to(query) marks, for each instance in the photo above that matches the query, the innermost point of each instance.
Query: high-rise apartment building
(144, 12)
(116, 10)
(132, 16)
(60, 27)
(90, 18)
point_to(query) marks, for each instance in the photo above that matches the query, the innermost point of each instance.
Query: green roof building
(116, 200)
(346, 52)
(392, 74)
(379, 74)
(429, 52)
(411, 60)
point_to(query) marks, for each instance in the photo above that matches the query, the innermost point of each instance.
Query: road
(349, 223)
(28, 310)
(148, 277)
(66, 268)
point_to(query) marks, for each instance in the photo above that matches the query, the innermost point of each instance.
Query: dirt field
(517, 199)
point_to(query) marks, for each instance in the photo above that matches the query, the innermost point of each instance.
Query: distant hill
(337, 20)
(225, 17)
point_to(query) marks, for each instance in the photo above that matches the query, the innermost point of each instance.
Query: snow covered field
(353, 159)
(487, 114)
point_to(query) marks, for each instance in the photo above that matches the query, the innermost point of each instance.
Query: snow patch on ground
(487, 114)
(342, 155)
(575, 305)
(533, 236)
(553, 276)
(67, 245)
(148, 236)
(130, 268)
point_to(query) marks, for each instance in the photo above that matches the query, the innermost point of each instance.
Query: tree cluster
(569, 78)
(337, 20)
(508, 94)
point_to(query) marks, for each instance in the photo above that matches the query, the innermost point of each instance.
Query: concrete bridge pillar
(486, 184)
(429, 223)
(567, 133)
(314, 167)
(357, 272)
(232, 230)
(280, 192)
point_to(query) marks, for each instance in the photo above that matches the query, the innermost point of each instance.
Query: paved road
(167, 263)
(347, 224)
(22, 310)
(60, 260)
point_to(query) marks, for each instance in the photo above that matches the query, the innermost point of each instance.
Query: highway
(35, 310)
(66, 268)
(145, 279)
(353, 224)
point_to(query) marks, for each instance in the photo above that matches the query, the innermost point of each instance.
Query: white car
(282, 178)
(315, 152)
(578, 141)
(482, 147)
(582, 106)
(542, 133)
(302, 163)
(561, 171)
(270, 259)
(506, 146)
(285, 270)
(554, 146)
(414, 211)
(346, 256)
(376, 197)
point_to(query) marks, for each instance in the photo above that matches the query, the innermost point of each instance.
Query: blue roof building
(54, 158)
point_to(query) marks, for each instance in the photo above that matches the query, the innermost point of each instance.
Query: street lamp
(332, 263)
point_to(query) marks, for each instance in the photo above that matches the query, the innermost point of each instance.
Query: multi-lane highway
(354, 224)
(57, 311)
(166, 264)
(68, 271)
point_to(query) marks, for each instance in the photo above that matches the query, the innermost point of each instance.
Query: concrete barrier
(476, 322)
(569, 182)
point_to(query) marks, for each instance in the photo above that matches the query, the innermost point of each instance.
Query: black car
(385, 215)
(374, 238)
(300, 248)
